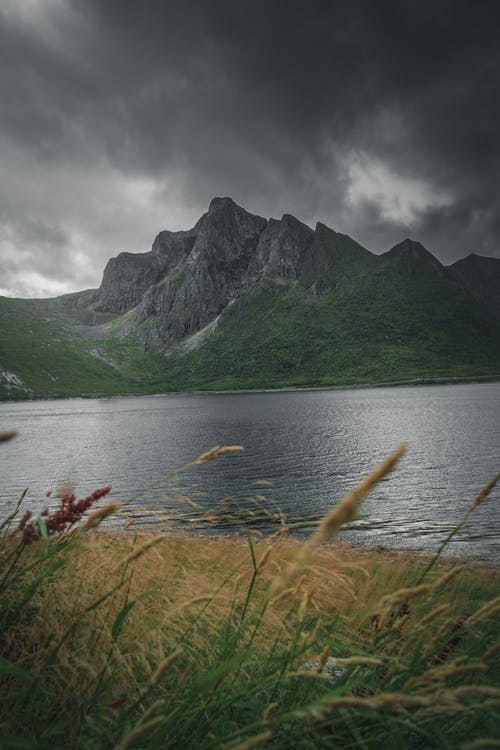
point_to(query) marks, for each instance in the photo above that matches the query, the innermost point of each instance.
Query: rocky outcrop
(189, 278)
(174, 246)
(207, 277)
(224, 247)
(126, 278)
(283, 249)
(232, 251)
(12, 382)
(337, 258)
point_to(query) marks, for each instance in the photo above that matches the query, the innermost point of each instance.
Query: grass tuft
(122, 640)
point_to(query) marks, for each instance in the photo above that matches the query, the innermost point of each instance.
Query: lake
(303, 451)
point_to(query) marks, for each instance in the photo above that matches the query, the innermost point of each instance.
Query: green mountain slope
(374, 328)
(244, 302)
(368, 332)
(47, 355)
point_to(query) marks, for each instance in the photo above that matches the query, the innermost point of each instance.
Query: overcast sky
(119, 118)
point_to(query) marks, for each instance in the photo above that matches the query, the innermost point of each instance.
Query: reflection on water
(310, 446)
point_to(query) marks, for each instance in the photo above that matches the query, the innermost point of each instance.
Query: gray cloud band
(119, 119)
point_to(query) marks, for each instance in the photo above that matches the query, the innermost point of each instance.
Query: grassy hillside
(45, 350)
(371, 330)
(380, 323)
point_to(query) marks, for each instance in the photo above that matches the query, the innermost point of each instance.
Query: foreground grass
(130, 640)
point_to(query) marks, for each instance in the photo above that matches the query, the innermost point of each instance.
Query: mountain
(481, 277)
(240, 301)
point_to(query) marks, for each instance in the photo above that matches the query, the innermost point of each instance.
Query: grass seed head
(268, 710)
(482, 496)
(215, 452)
(348, 506)
(278, 533)
(164, 666)
(397, 603)
(488, 610)
(98, 516)
(447, 577)
(304, 603)
(265, 557)
(434, 614)
(8, 435)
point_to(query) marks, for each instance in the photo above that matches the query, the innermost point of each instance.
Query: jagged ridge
(189, 277)
(244, 301)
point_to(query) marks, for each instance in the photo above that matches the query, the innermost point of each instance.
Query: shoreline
(411, 383)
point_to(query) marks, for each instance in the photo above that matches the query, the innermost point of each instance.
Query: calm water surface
(312, 446)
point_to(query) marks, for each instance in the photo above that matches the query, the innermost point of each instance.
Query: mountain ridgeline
(240, 301)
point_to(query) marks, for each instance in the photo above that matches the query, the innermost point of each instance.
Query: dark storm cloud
(121, 118)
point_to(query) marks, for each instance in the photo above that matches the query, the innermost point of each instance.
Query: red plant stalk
(70, 511)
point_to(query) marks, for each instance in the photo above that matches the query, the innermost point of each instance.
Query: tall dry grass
(127, 640)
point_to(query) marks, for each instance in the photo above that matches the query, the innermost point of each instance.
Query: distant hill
(240, 301)
(481, 277)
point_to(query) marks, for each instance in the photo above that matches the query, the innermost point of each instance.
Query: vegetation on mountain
(241, 302)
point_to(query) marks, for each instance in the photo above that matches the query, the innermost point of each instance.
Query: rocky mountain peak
(320, 227)
(282, 249)
(412, 257)
(226, 231)
(221, 204)
(344, 255)
(189, 277)
(224, 209)
(174, 245)
(473, 260)
(409, 248)
(291, 222)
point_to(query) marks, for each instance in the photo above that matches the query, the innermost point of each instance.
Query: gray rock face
(283, 249)
(125, 280)
(204, 281)
(224, 247)
(189, 278)
(128, 276)
(173, 246)
(481, 277)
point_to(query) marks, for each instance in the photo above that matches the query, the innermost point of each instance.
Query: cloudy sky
(119, 118)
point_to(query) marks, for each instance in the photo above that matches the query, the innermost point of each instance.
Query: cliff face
(125, 280)
(203, 279)
(189, 278)
(128, 276)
